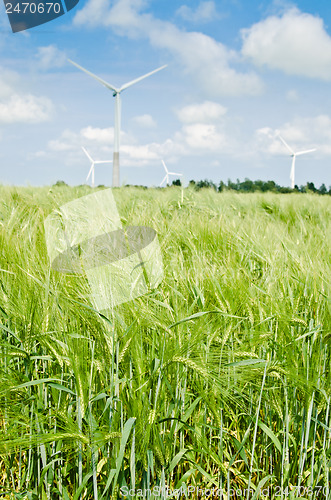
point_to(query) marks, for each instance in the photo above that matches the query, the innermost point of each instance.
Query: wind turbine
(93, 162)
(117, 128)
(294, 155)
(166, 177)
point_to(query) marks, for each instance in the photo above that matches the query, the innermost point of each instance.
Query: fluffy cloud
(51, 57)
(206, 60)
(72, 141)
(205, 11)
(25, 109)
(123, 14)
(8, 79)
(300, 134)
(202, 113)
(99, 143)
(16, 107)
(5, 88)
(67, 142)
(203, 136)
(292, 95)
(295, 43)
(145, 152)
(145, 121)
(201, 133)
(202, 130)
(101, 135)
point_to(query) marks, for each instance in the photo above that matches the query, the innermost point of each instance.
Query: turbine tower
(166, 177)
(117, 127)
(294, 155)
(93, 162)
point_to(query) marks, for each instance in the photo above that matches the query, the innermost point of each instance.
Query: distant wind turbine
(117, 127)
(166, 177)
(294, 155)
(93, 162)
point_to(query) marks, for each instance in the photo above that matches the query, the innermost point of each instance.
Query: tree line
(249, 186)
(246, 186)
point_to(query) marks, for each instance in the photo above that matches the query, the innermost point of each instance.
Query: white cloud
(205, 11)
(206, 60)
(292, 96)
(5, 89)
(97, 139)
(145, 121)
(99, 144)
(51, 57)
(204, 112)
(296, 43)
(8, 80)
(202, 136)
(67, 142)
(72, 142)
(266, 141)
(122, 14)
(16, 107)
(25, 109)
(300, 134)
(101, 135)
(144, 152)
(191, 138)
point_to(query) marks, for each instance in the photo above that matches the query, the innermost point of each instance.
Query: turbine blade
(87, 154)
(132, 82)
(304, 152)
(174, 173)
(90, 171)
(165, 168)
(285, 143)
(106, 84)
(103, 161)
(163, 180)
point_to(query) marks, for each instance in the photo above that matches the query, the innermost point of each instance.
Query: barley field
(215, 384)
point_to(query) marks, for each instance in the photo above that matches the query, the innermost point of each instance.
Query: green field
(218, 379)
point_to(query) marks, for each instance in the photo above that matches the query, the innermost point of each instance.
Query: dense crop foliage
(219, 378)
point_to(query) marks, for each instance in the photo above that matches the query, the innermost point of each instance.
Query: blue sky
(238, 74)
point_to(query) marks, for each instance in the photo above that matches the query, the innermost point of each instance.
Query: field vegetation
(219, 378)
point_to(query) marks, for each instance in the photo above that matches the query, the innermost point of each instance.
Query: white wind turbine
(93, 162)
(166, 177)
(117, 127)
(294, 155)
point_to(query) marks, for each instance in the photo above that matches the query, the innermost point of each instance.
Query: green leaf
(82, 486)
(272, 436)
(259, 487)
(33, 383)
(247, 362)
(3, 327)
(61, 387)
(203, 313)
(114, 473)
(177, 459)
(102, 395)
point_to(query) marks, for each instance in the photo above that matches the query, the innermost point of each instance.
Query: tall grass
(219, 378)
